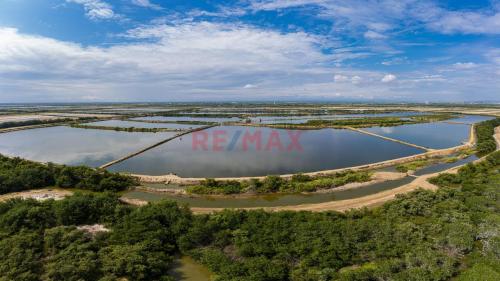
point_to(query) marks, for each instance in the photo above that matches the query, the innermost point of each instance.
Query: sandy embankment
(497, 137)
(38, 194)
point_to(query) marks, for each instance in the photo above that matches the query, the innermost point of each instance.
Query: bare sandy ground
(38, 194)
(497, 137)
(93, 228)
(78, 115)
(25, 117)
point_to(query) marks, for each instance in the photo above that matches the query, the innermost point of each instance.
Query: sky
(249, 50)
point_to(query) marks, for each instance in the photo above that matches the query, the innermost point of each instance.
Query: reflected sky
(73, 146)
(471, 119)
(319, 150)
(432, 135)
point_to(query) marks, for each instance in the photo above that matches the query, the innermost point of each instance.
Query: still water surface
(73, 146)
(235, 156)
(471, 119)
(433, 135)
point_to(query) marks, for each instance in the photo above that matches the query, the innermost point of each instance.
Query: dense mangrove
(17, 174)
(423, 235)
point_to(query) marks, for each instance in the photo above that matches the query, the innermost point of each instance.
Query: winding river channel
(275, 200)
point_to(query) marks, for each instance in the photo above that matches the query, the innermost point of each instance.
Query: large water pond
(136, 124)
(187, 118)
(433, 135)
(72, 146)
(234, 151)
(292, 199)
(471, 119)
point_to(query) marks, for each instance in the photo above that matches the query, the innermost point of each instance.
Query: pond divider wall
(389, 139)
(155, 145)
(20, 128)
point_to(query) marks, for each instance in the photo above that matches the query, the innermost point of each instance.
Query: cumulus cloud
(213, 61)
(388, 78)
(96, 9)
(198, 57)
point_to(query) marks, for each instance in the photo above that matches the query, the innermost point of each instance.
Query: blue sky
(152, 50)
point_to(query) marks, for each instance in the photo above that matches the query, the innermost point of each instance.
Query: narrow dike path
(15, 129)
(155, 145)
(389, 139)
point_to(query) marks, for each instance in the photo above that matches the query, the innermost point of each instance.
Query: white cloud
(340, 78)
(388, 78)
(146, 4)
(212, 61)
(356, 79)
(374, 35)
(197, 57)
(464, 65)
(352, 78)
(96, 9)
(429, 78)
(467, 22)
(380, 16)
(395, 61)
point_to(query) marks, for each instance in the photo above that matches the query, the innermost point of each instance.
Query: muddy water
(187, 269)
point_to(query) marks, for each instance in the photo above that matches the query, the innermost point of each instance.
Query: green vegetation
(484, 133)
(13, 124)
(124, 129)
(186, 122)
(17, 174)
(424, 235)
(272, 184)
(448, 234)
(367, 121)
(39, 240)
(413, 166)
(211, 186)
